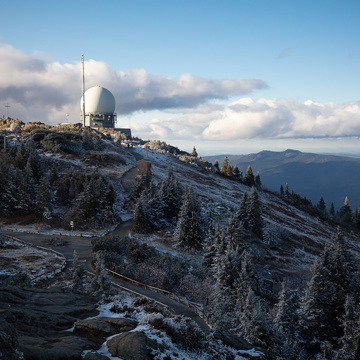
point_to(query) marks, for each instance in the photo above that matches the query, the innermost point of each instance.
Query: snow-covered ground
(305, 233)
(17, 257)
(211, 348)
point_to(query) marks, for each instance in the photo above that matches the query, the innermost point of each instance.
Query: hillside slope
(304, 235)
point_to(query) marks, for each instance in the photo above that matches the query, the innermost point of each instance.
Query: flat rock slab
(40, 317)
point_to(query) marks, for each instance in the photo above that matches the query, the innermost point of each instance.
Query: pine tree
(216, 166)
(90, 202)
(345, 212)
(229, 171)
(247, 280)
(209, 248)
(249, 177)
(170, 194)
(194, 153)
(225, 165)
(253, 209)
(286, 316)
(142, 222)
(228, 268)
(189, 228)
(287, 189)
(322, 207)
(254, 324)
(258, 180)
(242, 213)
(33, 161)
(350, 341)
(43, 198)
(236, 174)
(332, 210)
(100, 284)
(281, 190)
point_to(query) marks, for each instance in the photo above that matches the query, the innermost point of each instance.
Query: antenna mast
(83, 88)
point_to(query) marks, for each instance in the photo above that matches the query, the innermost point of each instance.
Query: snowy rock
(132, 345)
(103, 326)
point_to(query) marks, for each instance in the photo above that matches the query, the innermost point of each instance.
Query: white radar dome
(98, 100)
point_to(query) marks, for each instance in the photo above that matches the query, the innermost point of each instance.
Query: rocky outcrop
(103, 327)
(40, 317)
(40, 324)
(8, 341)
(132, 346)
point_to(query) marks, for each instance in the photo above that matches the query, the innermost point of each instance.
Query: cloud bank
(44, 91)
(47, 91)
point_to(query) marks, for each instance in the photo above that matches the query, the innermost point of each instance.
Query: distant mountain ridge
(308, 174)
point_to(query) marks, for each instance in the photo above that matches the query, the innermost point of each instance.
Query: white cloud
(34, 87)
(266, 119)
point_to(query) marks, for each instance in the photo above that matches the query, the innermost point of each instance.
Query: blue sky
(228, 77)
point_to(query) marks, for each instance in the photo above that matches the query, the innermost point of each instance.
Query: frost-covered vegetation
(38, 190)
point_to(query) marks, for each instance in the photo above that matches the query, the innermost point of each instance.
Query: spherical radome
(98, 100)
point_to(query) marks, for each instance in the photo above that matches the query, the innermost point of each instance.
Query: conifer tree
(350, 340)
(253, 209)
(236, 174)
(43, 197)
(100, 284)
(170, 194)
(332, 210)
(249, 177)
(281, 190)
(257, 180)
(228, 268)
(287, 189)
(254, 323)
(322, 207)
(345, 212)
(322, 305)
(247, 280)
(216, 166)
(189, 229)
(229, 171)
(90, 201)
(194, 152)
(225, 165)
(286, 317)
(33, 161)
(209, 248)
(242, 213)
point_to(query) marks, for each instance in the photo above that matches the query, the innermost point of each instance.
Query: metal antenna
(7, 109)
(83, 88)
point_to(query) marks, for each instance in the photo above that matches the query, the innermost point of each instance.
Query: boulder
(132, 346)
(103, 327)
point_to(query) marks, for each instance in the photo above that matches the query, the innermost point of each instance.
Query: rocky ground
(38, 324)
